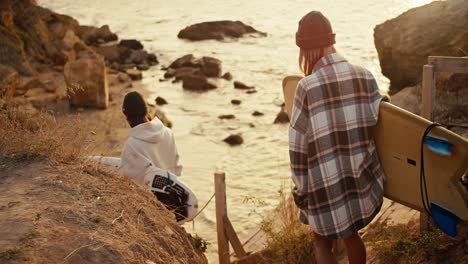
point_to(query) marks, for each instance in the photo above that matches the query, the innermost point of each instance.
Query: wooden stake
(221, 214)
(428, 94)
(234, 239)
(428, 91)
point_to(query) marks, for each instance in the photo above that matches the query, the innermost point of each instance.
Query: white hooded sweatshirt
(149, 144)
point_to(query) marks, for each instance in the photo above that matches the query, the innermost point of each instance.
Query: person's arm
(298, 141)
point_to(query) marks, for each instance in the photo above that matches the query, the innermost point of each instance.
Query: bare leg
(356, 249)
(323, 250)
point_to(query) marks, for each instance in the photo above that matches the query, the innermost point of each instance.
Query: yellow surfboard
(398, 137)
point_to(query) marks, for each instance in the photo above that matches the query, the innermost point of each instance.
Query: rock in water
(211, 67)
(404, 43)
(92, 35)
(227, 76)
(230, 116)
(236, 101)
(134, 74)
(86, 81)
(197, 83)
(242, 86)
(234, 140)
(185, 61)
(131, 44)
(218, 30)
(282, 117)
(160, 101)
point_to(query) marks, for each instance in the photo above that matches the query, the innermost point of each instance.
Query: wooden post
(234, 239)
(221, 213)
(428, 91)
(428, 95)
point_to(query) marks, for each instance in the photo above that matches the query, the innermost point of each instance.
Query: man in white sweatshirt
(150, 143)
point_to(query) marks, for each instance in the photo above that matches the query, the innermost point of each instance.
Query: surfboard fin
(445, 220)
(438, 145)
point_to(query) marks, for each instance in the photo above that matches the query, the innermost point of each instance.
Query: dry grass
(288, 240)
(80, 212)
(38, 136)
(405, 244)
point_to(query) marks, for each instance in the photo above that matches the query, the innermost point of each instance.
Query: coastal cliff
(56, 207)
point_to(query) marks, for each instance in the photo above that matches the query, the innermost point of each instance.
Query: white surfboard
(398, 136)
(165, 184)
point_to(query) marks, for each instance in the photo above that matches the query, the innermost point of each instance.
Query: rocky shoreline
(63, 67)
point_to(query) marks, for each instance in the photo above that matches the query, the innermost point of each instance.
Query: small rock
(227, 116)
(197, 83)
(134, 74)
(176, 81)
(227, 76)
(131, 43)
(142, 67)
(160, 101)
(236, 102)
(242, 86)
(123, 77)
(129, 85)
(251, 91)
(257, 113)
(234, 140)
(185, 61)
(282, 117)
(162, 80)
(170, 73)
(152, 59)
(211, 67)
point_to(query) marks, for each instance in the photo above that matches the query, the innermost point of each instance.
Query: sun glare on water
(415, 3)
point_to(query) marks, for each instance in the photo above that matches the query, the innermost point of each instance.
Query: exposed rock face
(87, 83)
(404, 43)
(218, 30)
(8, 82)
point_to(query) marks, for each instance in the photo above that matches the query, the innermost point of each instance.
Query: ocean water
(259, 168)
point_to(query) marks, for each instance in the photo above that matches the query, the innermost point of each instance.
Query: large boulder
(86, 81)
(404, 43)
(218, 30)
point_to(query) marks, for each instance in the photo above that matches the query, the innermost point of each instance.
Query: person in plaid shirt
(335, 167)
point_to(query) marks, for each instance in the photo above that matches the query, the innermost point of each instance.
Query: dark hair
(135, 109)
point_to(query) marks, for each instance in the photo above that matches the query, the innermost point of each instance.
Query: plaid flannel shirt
(334, 161)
